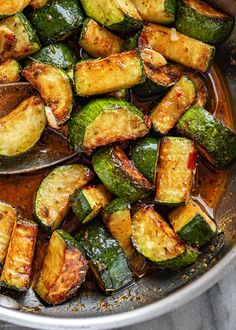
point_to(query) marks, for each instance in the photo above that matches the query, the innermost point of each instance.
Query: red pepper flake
(192, 160)
(86, 233)
(179, 94)
(103, 305)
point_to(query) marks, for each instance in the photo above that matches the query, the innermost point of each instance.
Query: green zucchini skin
(116, 205)
(112, 268)
(58, 54)
(57, 19)
(80, 205)
(131, 42)
(144, 154)
(187, 258)
(79, 124)
(202, 26)
(115, 177)
(215, 140)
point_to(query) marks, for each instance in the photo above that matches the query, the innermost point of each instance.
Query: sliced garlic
(52, 122)
(153, 58)
(173, 35)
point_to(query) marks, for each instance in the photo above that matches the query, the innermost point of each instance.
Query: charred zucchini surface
(144, 154)
(182, 49)
(105, 121)
(197, 19)
(9, 72)
(117, 15)
(110, 74)
(14, 138)
(156, 11)
(52, 198)
(38, 3)
(119, 175)
(192, 223)
(8, 217)
(17, 269)
(55, 89)
(107, 260)
(27, 41)
(11, 7)
(215, 141)
(64, 269)
(117, 218)
(98, 41)
(166, 113)
(87, 202)
(154, 238)
(177, 163)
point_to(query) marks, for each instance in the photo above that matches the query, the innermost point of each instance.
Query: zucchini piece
(181, 49)
(58, 54)
(144, 154)
(200, 87)
(131, 42)
(8, 216)
(27, 41)
(7, 42)
(192, 224)
(110, 74)
(214, 140)
(97, 41)
(59, 100)
(11, 7)
(156, 11)
(87, 202)
(175, 171)
(117, 15)
(158, 80)
(17, 269)
(52, 198)
(38, 3)
(57, 20)
(117, 218)
(14, 137)
(104, 121)
(107, 260)
(119, 175)
(167, 112)
(157, 241)
(9, 72)
(199, 20)
(64, 269)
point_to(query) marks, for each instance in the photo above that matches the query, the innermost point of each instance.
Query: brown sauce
(20, 190)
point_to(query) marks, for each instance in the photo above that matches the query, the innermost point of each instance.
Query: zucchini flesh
(27, 41)
(38, 3)
(9, 72)
(14, 138)
(52, 198)
(64, 269)
(105, 121)
(200, 87)
(156, 11)
(87, 202)
(167, 112)
(58, 54)
(17, 269)
(97, 41)
(107, 260)
(11, 7)
(184, 50)
(8, 216)
(175, 171)
(119, 175)
(117, 218)
(57, 19)
(199, 20)
(7, 42)
(157, 241)
(214, 140)
(144, 154)
(110, 74)
(44, 78)
(192, 224)
(118, 15)
(158, 80)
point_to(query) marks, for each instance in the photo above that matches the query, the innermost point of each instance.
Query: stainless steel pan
(160, 292)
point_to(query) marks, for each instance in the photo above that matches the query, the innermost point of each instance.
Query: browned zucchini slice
(9, 72)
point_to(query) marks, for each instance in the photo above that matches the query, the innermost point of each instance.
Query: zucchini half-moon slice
(9, 72)
(22, 128)
(11, 7)
(54, 87)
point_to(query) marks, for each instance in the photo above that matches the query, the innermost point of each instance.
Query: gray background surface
(215, 309)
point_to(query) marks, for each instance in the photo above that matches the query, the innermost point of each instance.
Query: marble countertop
(214, 310)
